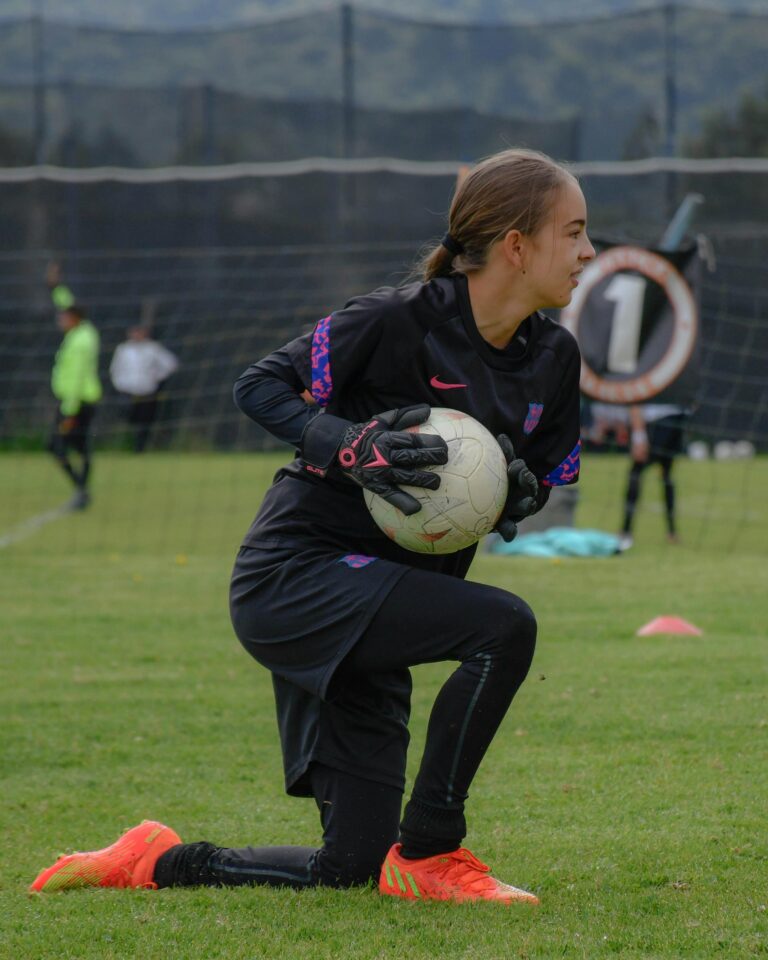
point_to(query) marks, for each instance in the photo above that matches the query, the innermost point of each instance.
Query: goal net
(225, 264)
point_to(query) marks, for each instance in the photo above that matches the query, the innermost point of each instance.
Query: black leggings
(665, 438)
(633, 492)
(427, 618)
(77, 440)
(360, 823)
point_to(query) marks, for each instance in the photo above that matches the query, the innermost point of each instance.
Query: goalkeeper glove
(378, 454)
(523, 493)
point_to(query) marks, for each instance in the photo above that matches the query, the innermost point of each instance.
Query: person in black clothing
(657, 434)
(336, 611)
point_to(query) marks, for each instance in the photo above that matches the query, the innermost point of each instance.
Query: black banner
(635, 315)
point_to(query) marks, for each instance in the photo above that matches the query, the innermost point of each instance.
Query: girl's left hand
(522, 494)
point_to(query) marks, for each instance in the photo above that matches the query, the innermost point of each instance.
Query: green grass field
(627, 786)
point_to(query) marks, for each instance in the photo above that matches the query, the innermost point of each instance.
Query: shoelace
(463, 866)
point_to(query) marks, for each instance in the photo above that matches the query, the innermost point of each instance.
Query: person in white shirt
(140, 366)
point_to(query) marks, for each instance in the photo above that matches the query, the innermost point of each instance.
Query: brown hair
(511, 190)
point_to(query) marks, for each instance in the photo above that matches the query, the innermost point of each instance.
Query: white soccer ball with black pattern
(472, 492)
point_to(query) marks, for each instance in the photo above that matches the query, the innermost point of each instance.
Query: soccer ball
(472, 492)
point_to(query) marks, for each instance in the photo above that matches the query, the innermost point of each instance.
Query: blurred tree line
(363, 85)
(742, 132)
(739, 132)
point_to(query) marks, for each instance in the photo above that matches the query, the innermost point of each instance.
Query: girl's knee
(350, 868)
(526, 629)
(513, 626)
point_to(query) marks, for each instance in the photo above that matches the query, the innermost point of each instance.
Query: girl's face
(560, 249)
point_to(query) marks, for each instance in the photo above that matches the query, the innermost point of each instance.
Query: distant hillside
(625, 86)
(175, 14)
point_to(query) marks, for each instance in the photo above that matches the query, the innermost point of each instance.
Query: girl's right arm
(378, 454)
(272, 393)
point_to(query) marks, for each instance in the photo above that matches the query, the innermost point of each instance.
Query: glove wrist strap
(320, 441)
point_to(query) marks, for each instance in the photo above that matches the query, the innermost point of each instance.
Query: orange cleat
(129, 862)
(458, 876)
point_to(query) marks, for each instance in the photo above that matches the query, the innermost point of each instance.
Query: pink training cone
(668, 625)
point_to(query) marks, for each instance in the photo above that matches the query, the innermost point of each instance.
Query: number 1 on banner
(627, 293)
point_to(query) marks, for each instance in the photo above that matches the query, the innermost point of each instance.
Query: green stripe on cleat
(412, 884)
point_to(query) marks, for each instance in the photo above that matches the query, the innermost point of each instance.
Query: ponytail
(511, 190)
(438, 262)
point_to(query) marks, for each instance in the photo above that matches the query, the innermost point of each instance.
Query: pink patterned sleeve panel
(566, 472)
(322, 382)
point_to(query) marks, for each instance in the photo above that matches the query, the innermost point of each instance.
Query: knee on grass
(353, 868)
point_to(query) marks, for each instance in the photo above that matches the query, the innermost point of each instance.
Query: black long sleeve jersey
(395, 347)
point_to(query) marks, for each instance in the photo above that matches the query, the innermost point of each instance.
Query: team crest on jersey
(356, 560)
(535, 411)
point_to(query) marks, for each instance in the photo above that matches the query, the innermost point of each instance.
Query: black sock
(426, 830)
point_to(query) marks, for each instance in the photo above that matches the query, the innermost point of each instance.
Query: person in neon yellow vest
(75, 384)
(61, 296)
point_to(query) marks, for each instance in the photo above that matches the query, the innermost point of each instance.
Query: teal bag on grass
(559, 542)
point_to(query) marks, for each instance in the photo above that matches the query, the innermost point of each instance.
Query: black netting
(227, 270)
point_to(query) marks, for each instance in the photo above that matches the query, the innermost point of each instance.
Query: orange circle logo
(652, 266)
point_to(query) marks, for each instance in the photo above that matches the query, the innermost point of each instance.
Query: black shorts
(665, 437)
(298, 611)
(78, 438)
(141, 411)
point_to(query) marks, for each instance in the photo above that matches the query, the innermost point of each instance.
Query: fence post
(347, 82)
(208, 132)
(348, 191)
(38, 61)
(670, 101)
(670, 80)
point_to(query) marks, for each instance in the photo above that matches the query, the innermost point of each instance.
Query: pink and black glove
(378, 454)
(523, 496)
